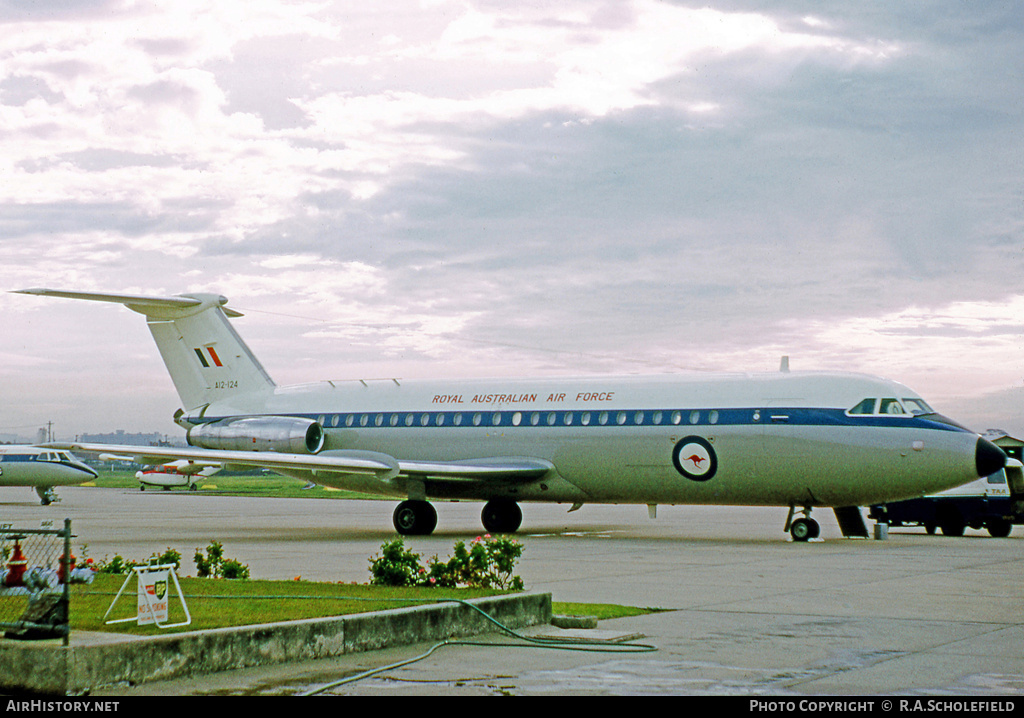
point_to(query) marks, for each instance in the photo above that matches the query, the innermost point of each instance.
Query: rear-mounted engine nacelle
(265, 433)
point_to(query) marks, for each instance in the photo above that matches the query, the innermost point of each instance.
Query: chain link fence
(34, 582)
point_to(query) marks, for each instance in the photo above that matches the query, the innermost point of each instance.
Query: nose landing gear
(804, 528)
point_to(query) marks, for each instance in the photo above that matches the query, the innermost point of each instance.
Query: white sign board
(153, 594)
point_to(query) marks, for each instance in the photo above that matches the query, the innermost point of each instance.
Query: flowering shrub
(486, 563)
(121, 565)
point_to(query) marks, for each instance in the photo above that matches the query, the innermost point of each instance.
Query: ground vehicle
(994, 502)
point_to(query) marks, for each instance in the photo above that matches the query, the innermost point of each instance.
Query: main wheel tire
(952, 523)
(501, 516)
(998, 528)
(414, 518)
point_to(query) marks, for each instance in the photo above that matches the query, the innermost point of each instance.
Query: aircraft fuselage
(754, 439)
(41, 469)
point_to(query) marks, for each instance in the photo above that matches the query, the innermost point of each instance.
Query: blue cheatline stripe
(611, 418)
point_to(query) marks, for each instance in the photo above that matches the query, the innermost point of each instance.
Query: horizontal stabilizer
(137, 302)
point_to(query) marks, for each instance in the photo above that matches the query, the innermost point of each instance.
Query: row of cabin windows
(868, 407)
(519, 418)
(51, 456)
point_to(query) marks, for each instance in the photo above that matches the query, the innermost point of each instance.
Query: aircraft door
(788, 455)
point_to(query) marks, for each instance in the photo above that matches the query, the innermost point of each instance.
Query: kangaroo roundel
(695, 459)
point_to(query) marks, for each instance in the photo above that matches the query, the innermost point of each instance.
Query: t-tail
(204, 355)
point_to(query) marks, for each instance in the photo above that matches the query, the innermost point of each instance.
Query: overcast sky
(483, 188)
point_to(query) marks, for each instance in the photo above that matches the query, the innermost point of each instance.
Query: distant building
(1011, 445)
(122, 437)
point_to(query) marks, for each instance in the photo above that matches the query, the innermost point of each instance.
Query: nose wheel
(804, 528)
(46, 495)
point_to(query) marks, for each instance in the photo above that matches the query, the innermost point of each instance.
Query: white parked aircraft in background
(169, 475)
(42, 469)
(175, 473)
(780, 439)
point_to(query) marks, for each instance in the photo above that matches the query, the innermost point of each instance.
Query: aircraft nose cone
(86, 468)
(988, 457)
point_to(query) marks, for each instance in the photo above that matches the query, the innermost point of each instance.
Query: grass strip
(220, 603)
(266, 485)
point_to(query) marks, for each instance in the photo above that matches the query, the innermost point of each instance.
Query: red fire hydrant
(65, 568)
(16, 567)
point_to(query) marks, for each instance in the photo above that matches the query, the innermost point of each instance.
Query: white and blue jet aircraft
(791, 439)
(42, 469)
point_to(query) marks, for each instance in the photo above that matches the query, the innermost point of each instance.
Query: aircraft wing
(381, 466)
(507, 468)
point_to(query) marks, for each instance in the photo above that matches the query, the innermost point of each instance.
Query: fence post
(66, 562)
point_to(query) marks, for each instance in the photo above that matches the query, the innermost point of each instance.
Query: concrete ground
(748, 612)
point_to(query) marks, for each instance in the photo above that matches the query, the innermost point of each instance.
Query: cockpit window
(888, 406)
(867, 406)
(997, 478)
(917, 406)
(891, 406)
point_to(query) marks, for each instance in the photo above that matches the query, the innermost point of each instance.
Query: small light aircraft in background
(42, 469)
(169, 475)
(175, 473)
(791, 439)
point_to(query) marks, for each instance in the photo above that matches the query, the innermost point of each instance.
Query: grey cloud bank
(468, 189)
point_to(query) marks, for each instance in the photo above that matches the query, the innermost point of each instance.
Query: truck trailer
(995, 503)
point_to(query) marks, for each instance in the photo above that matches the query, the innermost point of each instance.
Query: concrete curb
(96, 659)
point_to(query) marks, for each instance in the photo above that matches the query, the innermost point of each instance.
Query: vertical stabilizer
(205, 356)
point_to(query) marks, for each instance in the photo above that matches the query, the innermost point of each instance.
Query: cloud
(476, 188)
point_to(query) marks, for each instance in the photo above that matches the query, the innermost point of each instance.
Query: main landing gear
(501, 516)
(804, 528)
(418, 518)
(414, 518)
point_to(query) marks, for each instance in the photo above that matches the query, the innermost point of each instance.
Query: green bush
(486, 563)
(395, 566)
(120, 565)
(214, 565)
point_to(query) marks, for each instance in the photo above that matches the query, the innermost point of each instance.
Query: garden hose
(592, 645)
